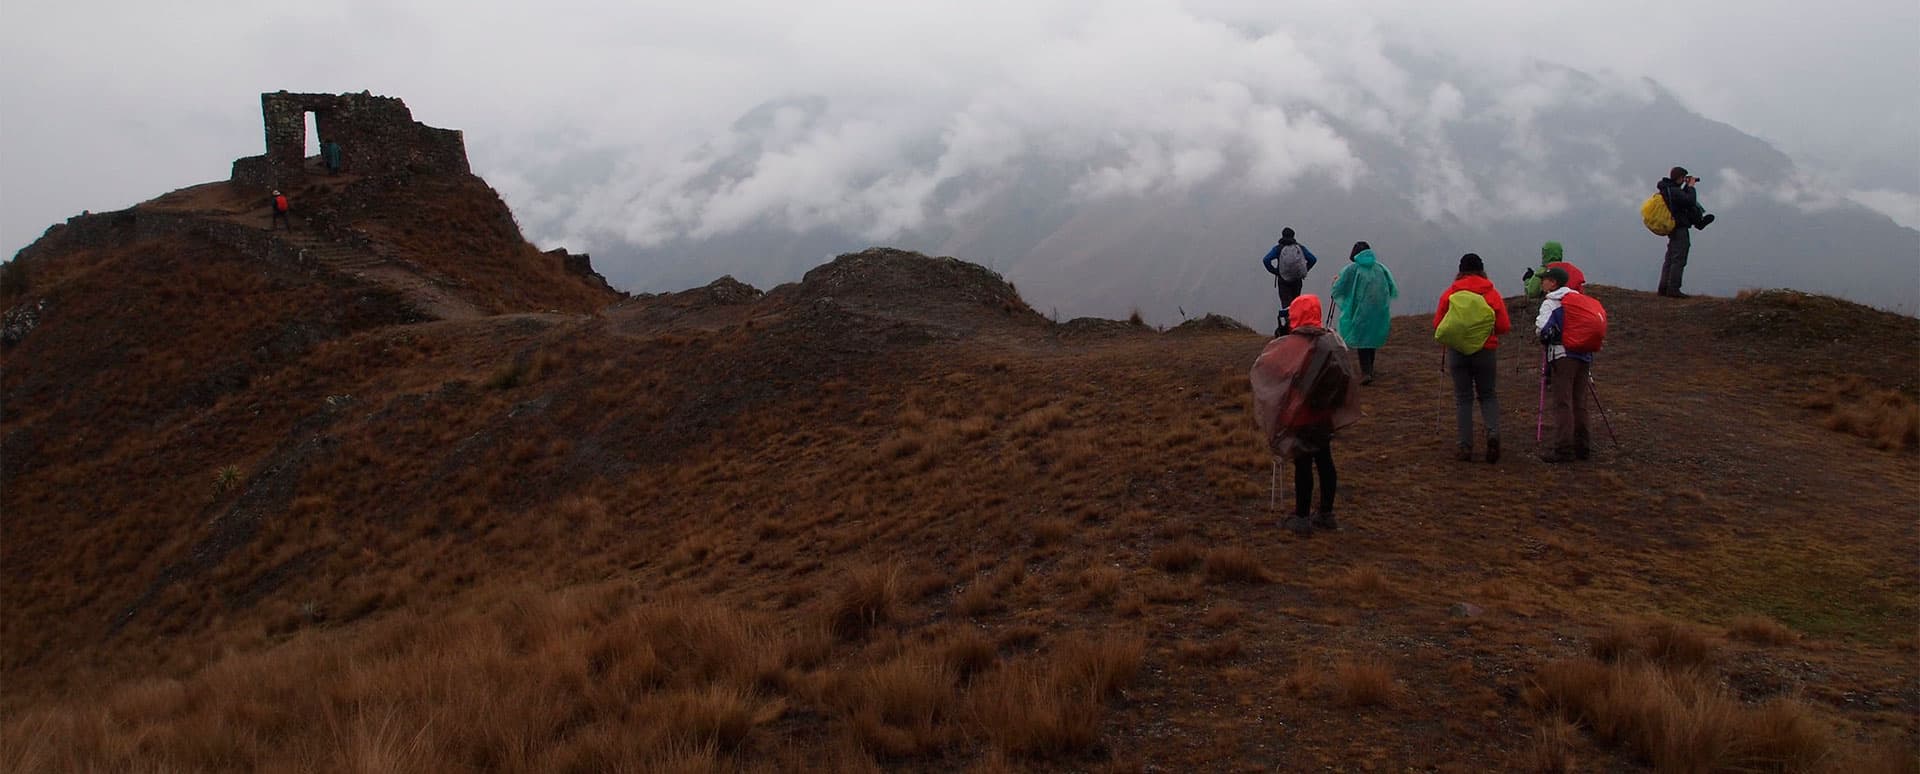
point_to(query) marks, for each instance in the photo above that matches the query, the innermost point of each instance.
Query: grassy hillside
(890, 518)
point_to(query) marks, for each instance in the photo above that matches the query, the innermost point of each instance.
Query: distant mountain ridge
(1493, 164)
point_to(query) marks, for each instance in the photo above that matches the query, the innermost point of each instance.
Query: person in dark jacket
(1288, 262)
(1677, 189)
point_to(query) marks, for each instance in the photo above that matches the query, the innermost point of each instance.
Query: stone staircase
(421, 292)
(325, 253)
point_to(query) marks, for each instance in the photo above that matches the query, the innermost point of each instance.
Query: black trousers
(1303, 467)
(1679, 243)
(1366, 360)
(1289, 290)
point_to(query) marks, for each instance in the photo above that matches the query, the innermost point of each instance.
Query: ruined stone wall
(123, 227)
(377, 137)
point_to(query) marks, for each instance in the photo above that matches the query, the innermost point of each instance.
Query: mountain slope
(888, 516)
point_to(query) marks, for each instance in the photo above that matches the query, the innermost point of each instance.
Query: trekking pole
(1594, 390)
(1540, 410)
(1273, 485)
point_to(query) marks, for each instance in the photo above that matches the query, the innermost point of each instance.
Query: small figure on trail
(1677, 189)
(1551, 255)
(1303, 391)
(280, 211)
(1363, 295)
(1566, 371)
(1288, 262)
(1469, 320)
(330, 155)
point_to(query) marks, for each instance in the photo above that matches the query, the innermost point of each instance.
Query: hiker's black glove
(1705, 222)
(1527, 276)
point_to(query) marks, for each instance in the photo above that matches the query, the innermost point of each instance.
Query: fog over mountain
(1104, 155)
(1162, 197)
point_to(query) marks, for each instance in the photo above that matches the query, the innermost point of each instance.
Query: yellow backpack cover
(1655, 214)
(1467, 324)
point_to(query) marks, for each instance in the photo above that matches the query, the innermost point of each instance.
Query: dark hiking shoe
(1464, 453)
(1556, 458)
(1678, 294)
(1366, 380)
(1493, 449)
(1582, 453)
(1300, 525)
(1324, 521)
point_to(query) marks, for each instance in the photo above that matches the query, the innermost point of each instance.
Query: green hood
(1365, 257)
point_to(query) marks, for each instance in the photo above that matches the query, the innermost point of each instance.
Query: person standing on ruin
(330, 155)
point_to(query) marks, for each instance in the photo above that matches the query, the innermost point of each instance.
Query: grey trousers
(1674, 268)
(1473, 378)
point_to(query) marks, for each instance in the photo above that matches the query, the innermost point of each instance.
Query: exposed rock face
(581, 265)
(20, 321)
(377, 136)
(730, 291)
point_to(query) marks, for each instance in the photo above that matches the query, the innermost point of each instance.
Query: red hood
(1304, 311)
(1473, 282)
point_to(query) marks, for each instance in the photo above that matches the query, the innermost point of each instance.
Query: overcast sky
(106, 104)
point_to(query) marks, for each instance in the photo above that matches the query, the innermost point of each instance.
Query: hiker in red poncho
(280, 210)
(1303, 391)
(1474, 375)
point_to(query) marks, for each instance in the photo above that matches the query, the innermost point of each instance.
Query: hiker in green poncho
(1550, 253)
(1364, 293)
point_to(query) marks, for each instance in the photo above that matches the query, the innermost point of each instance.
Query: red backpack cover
(1583, 323)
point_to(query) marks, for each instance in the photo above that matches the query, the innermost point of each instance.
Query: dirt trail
(425, 293)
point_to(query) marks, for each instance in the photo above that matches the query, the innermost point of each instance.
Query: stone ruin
(377, 137)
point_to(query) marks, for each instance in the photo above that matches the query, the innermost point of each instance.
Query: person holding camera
(1677, 189)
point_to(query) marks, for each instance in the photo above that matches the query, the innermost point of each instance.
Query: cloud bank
(614, 121)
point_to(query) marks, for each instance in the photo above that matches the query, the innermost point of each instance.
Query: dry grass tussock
(1053, 706)
(1761, 630)
(1364, 682)
(1681, 719)
(1889, 419)
(588, 679)
(1233, 564)
(1652, 689)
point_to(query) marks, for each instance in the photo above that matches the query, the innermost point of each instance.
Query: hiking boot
(1678, 294)
(1464, 453)
(1366, 380)
(1324, 520)
(1556, 458)
(1582, 453)
(1300, 525)
(1493, 449)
